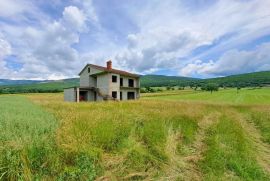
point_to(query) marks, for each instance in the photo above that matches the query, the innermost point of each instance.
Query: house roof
(105, 70)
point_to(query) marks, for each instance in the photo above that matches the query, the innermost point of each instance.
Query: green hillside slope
(162, 80)
(55, 86)
(17, 82)
(243, 80)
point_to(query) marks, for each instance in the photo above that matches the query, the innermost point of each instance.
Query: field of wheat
(168, 136)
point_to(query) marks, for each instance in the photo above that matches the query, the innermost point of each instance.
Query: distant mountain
(162, 80)
(17, 82)
(40, 86)
(243, 80)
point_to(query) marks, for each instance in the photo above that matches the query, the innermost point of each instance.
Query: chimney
(109, 65)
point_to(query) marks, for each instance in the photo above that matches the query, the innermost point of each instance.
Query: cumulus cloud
(169, 32)
(74, 18)
(232, 62)
(158, 48)
(51, 43)
(50, 48)
(46, 51)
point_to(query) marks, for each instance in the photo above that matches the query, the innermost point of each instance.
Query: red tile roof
(121, 72)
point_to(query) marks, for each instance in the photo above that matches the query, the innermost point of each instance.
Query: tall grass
(48, 139)
(135, 132)
(261, 118)
(28, 149)
(26, 132)
(230, 155)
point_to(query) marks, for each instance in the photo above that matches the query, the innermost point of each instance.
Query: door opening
(131, 95)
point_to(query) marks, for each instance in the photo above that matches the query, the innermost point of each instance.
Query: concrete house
(99, 83)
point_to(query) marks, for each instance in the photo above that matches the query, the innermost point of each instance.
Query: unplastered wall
(114, 86)
(70, 95)
(125, 81)
(103, 83)
(86, 80)
(91, 96)
(125, 91)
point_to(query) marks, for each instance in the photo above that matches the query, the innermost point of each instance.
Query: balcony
(127, 87)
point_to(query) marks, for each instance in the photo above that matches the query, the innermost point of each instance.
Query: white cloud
(50, 51)
(232, 62)
(12, 7)
(169, 31)
(5, 48)
(46, 51)
(89, 10)
(74, 18)
(165, 34)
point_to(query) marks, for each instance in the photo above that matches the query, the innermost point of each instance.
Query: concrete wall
(86, 80)
(124, 94)
(125, 81)
(125, 91)
(103, 83)
(70, 95)
(114, 86)
(91, 96)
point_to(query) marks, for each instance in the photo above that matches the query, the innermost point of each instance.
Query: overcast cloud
(55, 39)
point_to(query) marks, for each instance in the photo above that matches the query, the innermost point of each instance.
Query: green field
(170, 135)
(231, 96)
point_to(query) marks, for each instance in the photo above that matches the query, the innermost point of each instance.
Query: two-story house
(99, 83)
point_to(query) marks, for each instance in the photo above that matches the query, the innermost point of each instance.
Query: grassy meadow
(170, 135)
(230, 96)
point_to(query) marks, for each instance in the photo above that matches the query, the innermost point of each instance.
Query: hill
(49, 86)
(242, 80)
(162, 80)
(17, 82)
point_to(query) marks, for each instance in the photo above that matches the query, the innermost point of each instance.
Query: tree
(211, 87)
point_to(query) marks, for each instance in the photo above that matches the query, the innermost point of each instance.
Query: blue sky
(54, 39)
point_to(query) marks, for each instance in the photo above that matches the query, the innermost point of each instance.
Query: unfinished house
(99, 83)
